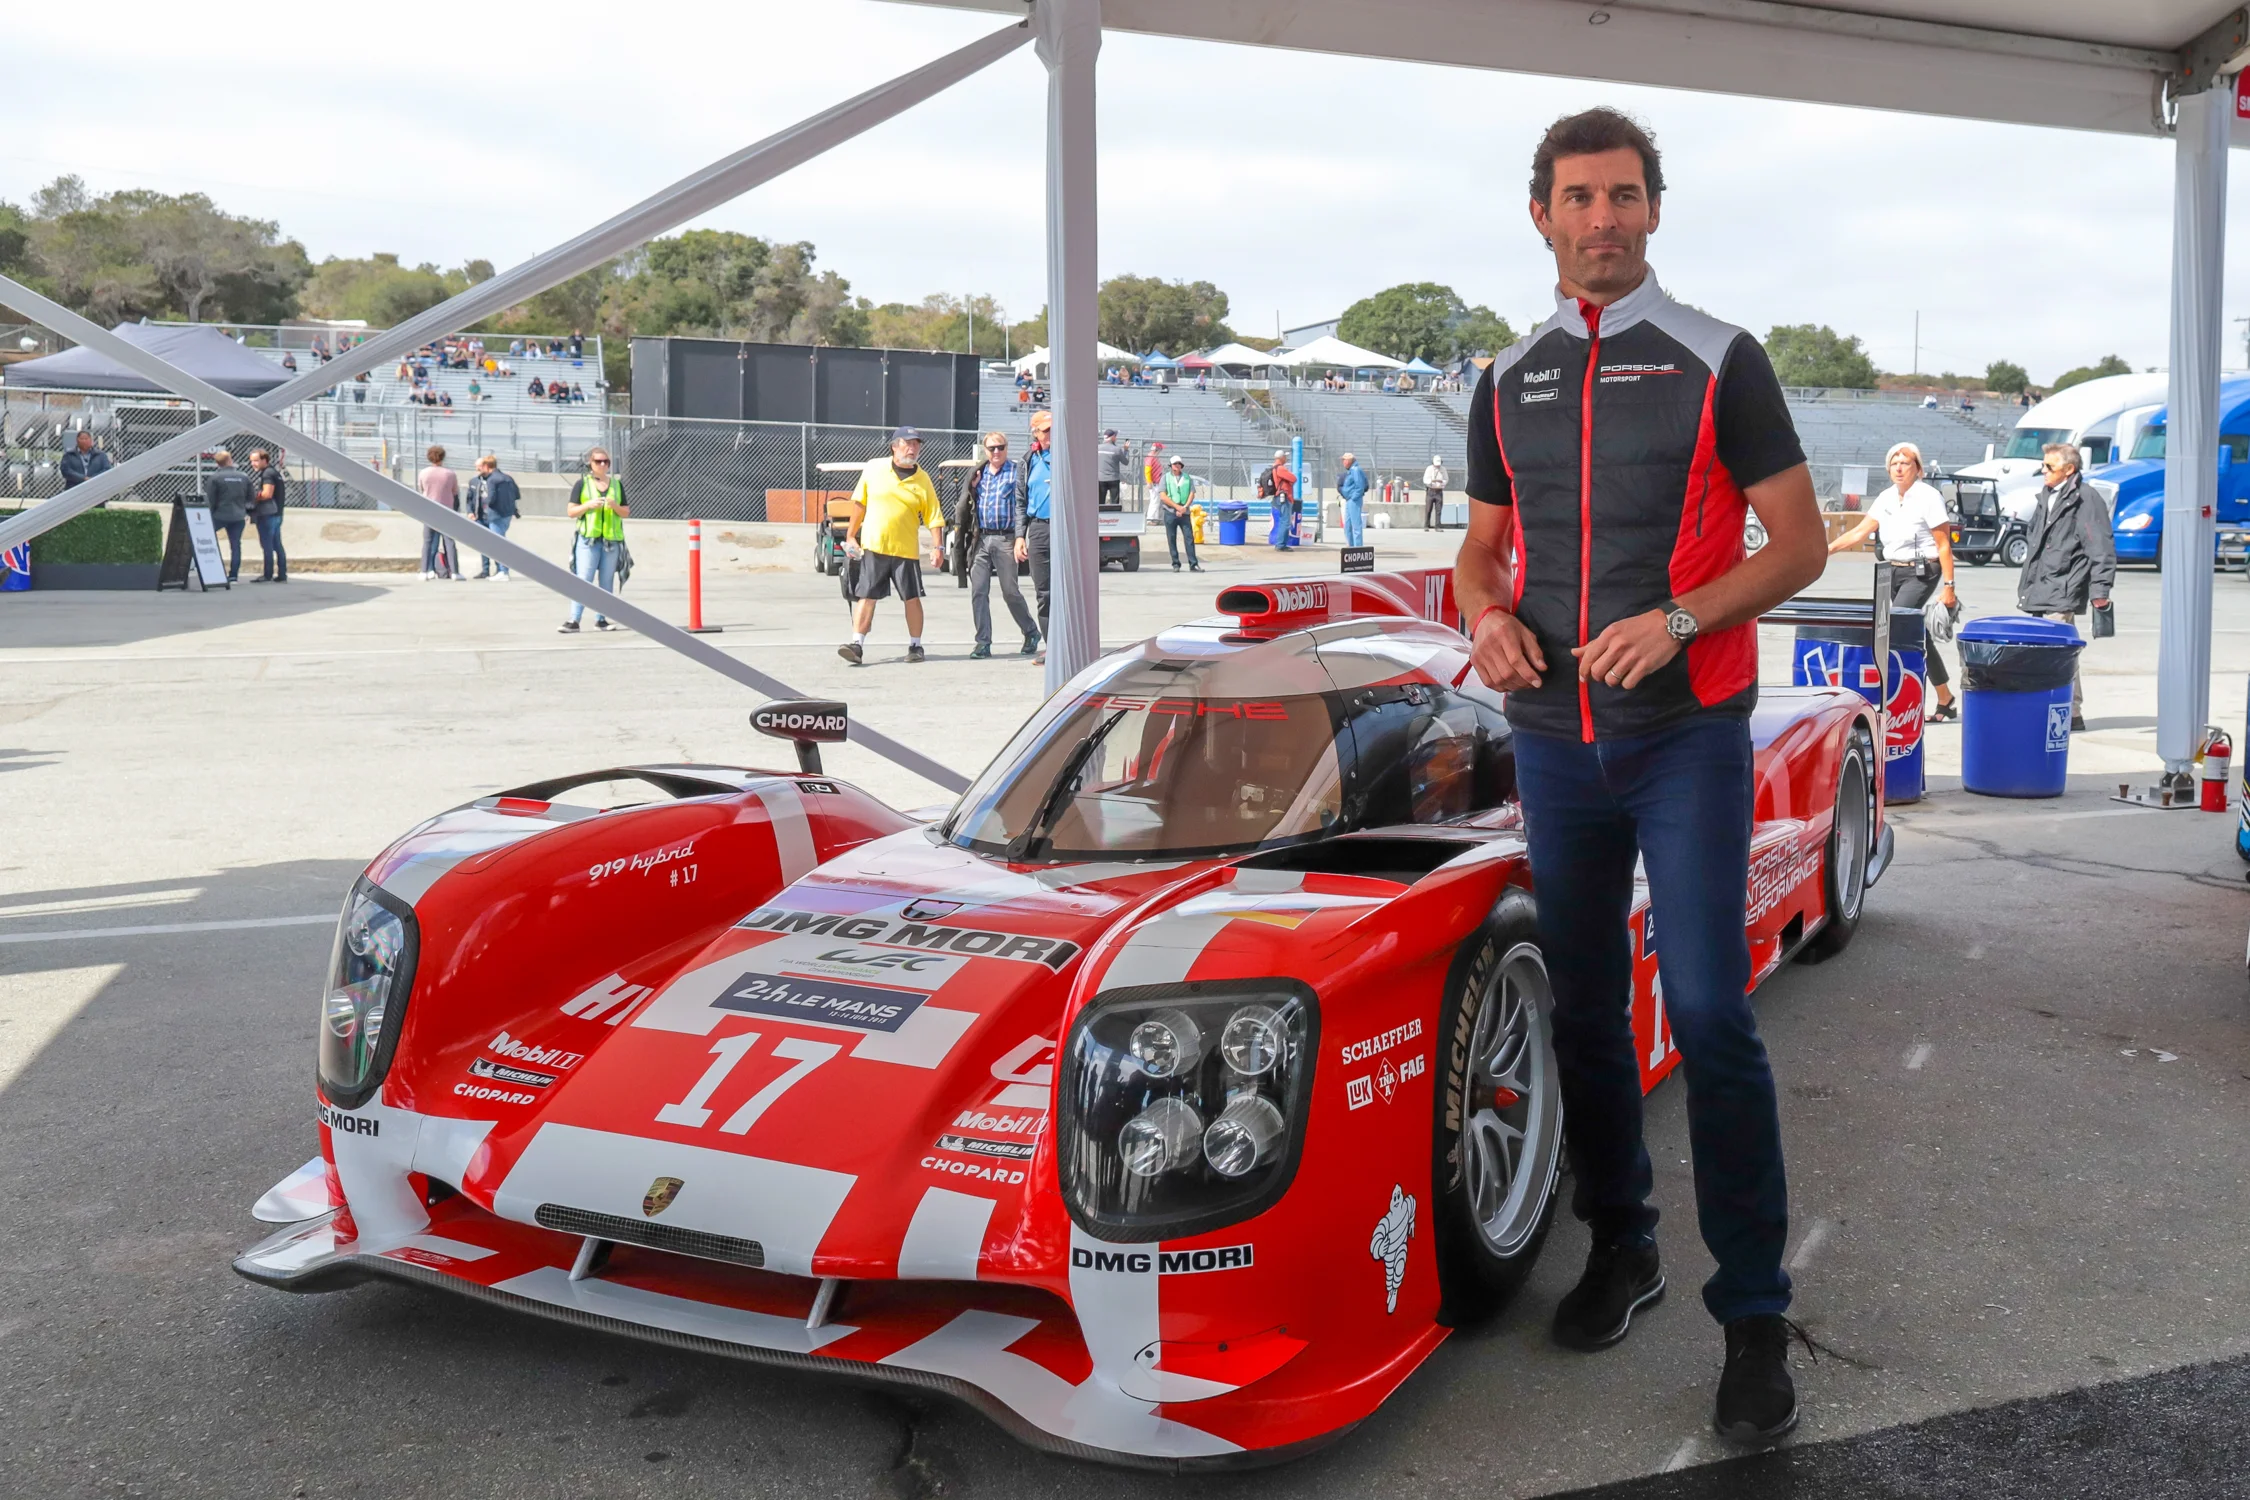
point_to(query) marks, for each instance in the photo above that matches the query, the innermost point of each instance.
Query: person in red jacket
(1284, 484)
(1612, 455)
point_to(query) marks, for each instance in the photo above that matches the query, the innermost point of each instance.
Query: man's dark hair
(1589, 134)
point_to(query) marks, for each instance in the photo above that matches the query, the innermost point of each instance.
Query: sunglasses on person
(995, 447)
(600, 463)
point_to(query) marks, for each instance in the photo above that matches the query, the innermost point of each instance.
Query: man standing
(2072, 559)
(992, 509)
(269, 496)
(1625, 635)
(1176, 494)
(1110, 460)
(83, 461)
(227, 492)
(1434, 481)
(497, 497)
(891, 504)
(1351, 484)
(1284, 482)
(598, 505)
(1037, 514)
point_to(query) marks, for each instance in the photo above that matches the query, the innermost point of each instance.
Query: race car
(1169, 1098)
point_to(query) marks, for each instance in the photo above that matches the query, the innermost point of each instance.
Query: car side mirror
(808, 722)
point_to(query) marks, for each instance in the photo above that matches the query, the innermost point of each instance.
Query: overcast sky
(1296, 182)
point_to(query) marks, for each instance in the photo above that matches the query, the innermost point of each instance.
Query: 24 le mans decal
(800, 999)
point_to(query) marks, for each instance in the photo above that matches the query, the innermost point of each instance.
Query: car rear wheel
(1498, 1133)
(1851, 844)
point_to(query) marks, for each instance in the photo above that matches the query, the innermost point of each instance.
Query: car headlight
(2141, 522)
(1183, 1106)
(369, 973)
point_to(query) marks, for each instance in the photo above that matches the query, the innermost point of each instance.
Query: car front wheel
(1498, 1133)
(1851, 844)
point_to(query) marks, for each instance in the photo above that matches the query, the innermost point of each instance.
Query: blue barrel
(1234, 524)
(1844, 656)
(15, 568)
(2015, 705)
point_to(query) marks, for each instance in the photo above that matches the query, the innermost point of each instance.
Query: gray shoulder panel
(1706, 337)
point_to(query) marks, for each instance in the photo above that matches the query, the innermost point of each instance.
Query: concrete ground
(2013, 1107)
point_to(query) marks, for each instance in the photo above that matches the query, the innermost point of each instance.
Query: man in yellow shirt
(892, 503)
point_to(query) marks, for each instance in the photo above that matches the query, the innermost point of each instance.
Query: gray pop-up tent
(201, 350)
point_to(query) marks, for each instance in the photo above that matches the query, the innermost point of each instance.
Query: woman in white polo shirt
(1916, 535)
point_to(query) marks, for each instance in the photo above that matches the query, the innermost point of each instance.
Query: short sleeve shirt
(1907, 525)
(898, 506)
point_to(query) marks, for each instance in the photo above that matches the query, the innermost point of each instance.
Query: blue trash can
(1234, 524)
(2015, 705)
(1844, 656)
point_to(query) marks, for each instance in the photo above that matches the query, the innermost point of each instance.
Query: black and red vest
(1620, 503)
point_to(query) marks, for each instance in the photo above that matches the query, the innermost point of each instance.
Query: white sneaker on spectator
(427, 575)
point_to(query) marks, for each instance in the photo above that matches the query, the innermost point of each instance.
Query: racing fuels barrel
(2015, 705)
(1844, 656)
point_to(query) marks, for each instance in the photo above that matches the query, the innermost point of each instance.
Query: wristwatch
(1679, 624)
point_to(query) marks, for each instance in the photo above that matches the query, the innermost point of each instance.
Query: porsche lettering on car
(1170, 1098)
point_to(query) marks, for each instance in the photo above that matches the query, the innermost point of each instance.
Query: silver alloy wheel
(1855, 814)
(1511, 1151)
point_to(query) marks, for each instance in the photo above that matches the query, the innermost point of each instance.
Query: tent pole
(2191, 479)
(1070, 39)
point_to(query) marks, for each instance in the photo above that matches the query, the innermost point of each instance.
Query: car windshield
(2030, 442)
(2150, 444)
(1149, 765)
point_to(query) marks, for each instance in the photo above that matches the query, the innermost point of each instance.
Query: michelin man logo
(1392, 1231)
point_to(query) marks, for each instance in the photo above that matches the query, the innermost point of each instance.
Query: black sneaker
(1030, 644)
(980, 653)
(1621, 1278)
(914, 653)
(850, 652)
(568, 627)
(1757, 1400)
(601, 622)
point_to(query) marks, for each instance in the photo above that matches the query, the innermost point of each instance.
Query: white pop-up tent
(1035, 363)
(1242, 357)
(1329, 352)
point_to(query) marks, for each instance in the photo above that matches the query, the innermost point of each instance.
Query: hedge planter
(93, 575)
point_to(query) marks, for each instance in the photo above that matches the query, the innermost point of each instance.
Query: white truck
(2085, 416)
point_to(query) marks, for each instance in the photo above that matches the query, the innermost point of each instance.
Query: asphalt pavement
(2014, 1108)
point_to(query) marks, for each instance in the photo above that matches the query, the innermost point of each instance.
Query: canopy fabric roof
(1156, 359)
(1329, 352)
(1108, 353)
(1420, 366)
(1196, 362)
(2082, 64)
(1242, 355)
(201, 350)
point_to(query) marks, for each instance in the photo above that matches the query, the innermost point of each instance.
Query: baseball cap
(1109, 432)
(905, 435)
(1177, 461)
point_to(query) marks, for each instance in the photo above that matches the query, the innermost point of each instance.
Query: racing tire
(1978, 559)
(1493, 1169)
(1132, 560)
(1851, 845)
(2018, 548)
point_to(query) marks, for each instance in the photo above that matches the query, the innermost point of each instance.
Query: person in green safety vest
(597, 504)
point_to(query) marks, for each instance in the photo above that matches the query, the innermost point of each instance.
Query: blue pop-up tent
(1420, 366)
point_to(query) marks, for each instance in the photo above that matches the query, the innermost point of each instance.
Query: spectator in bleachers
(1434, 481)
(991, 506)
(444, 400)
(577, 393)
(598, 505)
(440, 558)
(83, 461)
(227, 492)
(1177, 496)
(515, 348)
(1351, 486)
(577, 344)
(537, 390)
(289, 362)
(476, 390)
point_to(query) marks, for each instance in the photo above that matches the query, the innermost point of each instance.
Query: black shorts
(874, 575)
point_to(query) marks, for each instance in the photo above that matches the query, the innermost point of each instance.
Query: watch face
(1681, 624)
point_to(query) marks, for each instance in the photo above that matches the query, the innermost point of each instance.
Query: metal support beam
(2212, 58)
(1070, 39)
(240, 415)
(698, 193)
(2191, 476)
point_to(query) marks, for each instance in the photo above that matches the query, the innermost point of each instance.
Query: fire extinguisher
(2218, 770)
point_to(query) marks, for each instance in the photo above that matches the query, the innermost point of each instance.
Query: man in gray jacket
(1110, 460)
(227, 492)
(2073, 557)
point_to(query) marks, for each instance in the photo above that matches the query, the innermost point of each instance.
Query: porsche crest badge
(660, 1195)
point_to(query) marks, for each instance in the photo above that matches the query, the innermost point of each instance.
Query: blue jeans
(498, 526)
(1355, 523)
(596, 562)
(1682, 799)
(269, 542)
(232, 531)
(1179, 526)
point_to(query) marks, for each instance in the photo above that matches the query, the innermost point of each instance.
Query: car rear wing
(1872, 612)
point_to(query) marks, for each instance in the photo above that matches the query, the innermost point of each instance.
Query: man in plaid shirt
(993, 510)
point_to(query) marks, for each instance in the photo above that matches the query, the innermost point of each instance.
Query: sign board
(1359, 559)
(191, 547)
(819, 719)
(1855, 480)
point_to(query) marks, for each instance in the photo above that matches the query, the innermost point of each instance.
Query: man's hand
(1023, 550)
(852, 548)
(1627, 651)
(1505, 653)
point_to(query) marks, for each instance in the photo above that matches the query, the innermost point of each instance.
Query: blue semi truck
(2137, 515)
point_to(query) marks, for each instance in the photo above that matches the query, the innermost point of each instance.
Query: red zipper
(1586, 511)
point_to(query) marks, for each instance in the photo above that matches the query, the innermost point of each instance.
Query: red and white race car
(1169, 1099)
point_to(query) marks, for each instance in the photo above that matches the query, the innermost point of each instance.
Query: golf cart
(1982, 530)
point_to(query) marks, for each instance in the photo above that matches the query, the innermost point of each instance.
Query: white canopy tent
(1242, 357)
(1035, 363)
(1329, 352)
(2150, 68)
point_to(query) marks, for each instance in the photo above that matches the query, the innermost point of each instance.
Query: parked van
(2085, 416)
